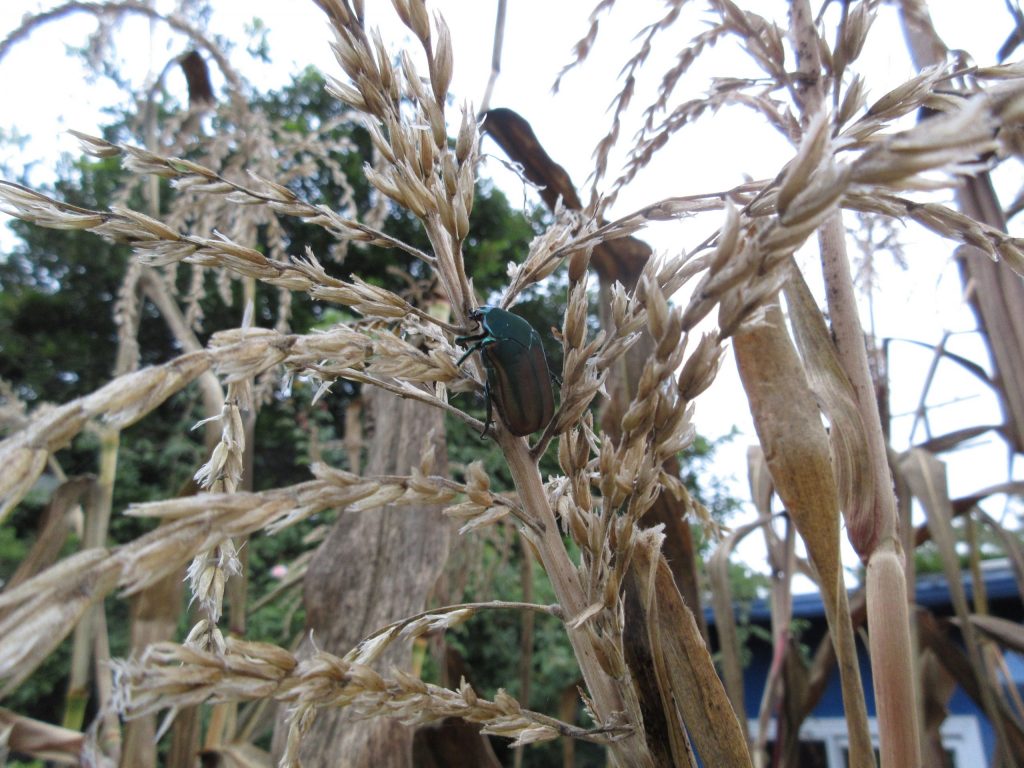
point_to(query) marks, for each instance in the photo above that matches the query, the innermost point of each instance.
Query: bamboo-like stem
(97, 525)
(888, 614)
(111, 738)
(890, 645)
(849, 338)
(499, 37)
(630, 751)
(156, 290)
(525, 639)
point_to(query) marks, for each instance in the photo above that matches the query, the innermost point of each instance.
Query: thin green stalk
(97, 525)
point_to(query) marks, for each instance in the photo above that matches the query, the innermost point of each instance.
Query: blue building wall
(931, 592)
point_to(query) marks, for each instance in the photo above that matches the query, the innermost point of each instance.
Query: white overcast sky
(45, 94)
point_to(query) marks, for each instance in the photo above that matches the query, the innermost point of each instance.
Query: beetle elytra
(518, 381)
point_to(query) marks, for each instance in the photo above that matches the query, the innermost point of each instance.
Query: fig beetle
(518, 382)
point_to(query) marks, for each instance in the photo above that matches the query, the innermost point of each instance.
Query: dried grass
(845, 156)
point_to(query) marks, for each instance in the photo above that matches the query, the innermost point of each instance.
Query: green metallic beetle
(518, 381)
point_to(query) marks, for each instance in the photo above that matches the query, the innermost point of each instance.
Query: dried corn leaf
(835, 396)
(683, 665)
(1009, 634)
(790, 431)
(1012, 546)
(43, 741)
(725, 619)
(926, 476)
(31, 632)
(955, 439)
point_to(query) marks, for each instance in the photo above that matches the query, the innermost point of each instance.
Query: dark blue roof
(932, 591)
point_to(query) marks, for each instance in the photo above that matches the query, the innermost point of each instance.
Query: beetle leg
(480, 339)
(472, 337)
(489, 418)
(469, 352)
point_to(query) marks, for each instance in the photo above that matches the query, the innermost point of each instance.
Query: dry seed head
(677, 435)
(468, 138)
(393, 357)
(467, 180)
(445, 211)
(153, 227)
(609, 657)
(651, 375)
(812, 153)
(127, 399)
(344, 47)
(435, 119)
(29, 632)
(478, 484)
(656, 306)
(143, 162)
(585, 615)
(671, 345)
(741, 308)
(606, 468)
(347, 95)
(728, 240)
(449, 176)
(578, 525)
(581, 493)
(19, 469)
(574, 328)
(534, 735)
(853, 101)
(95, 146)
(424, 161)
(381, 497)
(443, 62)
(974, 122)
(905, 97)
(39, 209)
(388, 82)
(620, 307)
(579, 261)
(276, 661)
(413, 14)
(412, 193)
(701, 367)
(381, 144)
(576, 398)
(818, 199)
(565, 451)
(414, 89)
(855, 33)
(369, 650)
(610, 598)
(461, 219)
(242, 353)
(422, 490)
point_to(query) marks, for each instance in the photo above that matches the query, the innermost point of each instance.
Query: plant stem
(631, 751)
(888, 615)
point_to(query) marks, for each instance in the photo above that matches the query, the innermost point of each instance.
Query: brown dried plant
(845, 156)
(820, 100)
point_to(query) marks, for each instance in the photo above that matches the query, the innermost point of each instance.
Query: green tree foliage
(52, 279)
